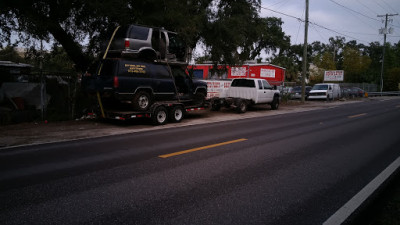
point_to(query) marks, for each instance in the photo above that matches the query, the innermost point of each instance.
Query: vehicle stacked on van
(143, 74)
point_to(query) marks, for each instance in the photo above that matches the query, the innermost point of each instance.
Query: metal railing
(387, 93)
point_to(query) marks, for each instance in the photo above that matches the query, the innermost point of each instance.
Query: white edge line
(347, 209)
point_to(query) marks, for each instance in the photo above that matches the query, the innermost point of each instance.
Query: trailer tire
(141, 101)
(275, 103)
(160, 116)
(177, 113)
(241, 106)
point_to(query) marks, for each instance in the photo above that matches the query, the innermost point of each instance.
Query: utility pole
(384, 31)
(303, 77)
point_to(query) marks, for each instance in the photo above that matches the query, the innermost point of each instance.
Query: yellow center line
(201, 148)
(358, 115)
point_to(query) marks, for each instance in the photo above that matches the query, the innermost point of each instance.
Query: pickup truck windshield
(243, 83)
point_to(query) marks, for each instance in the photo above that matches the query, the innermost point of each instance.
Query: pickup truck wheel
(215, 107)
(141, 101)
(275, 103)
(199, 98)
(176, 114)
(160, 116)
(241, 106)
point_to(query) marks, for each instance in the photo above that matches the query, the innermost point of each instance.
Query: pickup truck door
(262, 93)
(268, 92)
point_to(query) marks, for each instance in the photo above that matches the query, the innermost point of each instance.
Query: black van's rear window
(243, 83)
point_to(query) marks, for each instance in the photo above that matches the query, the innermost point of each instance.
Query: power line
(337, 32)
(354, 11)
(301, 20)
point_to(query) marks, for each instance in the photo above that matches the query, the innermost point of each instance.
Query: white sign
(238, 71)
(334, 75)
(267, 73)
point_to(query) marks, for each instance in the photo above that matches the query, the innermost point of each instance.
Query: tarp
(30, 93)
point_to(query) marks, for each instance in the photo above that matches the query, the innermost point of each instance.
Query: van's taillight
(127, 44)
(116, 82)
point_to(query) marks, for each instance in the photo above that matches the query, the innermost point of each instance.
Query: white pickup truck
(244, 92)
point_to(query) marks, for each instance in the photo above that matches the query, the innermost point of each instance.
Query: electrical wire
(323, 27)
(354, 11)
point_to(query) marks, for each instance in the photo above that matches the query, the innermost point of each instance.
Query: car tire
(199, 98)
(241, 106)
(160, 116)
(275, 103)
(177, 113)
(141, 101)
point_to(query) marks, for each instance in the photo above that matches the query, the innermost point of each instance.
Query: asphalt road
(297, 168)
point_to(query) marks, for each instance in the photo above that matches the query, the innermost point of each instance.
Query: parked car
(327, 91)
(353, 92)
(295, 93)
(142, 83)
(147, 43)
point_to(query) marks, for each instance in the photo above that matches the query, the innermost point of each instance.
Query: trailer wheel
(160, 116)
(141, 101)
(177, 113)
(275, 103)
(241, 106)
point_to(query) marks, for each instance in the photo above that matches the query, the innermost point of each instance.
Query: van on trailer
(326, 91)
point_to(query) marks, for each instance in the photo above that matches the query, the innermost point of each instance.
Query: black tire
(241, 106)
(215, 107)
(177, 113)
(275, 103)
(160, 116)
(141, 101)
(199, 98)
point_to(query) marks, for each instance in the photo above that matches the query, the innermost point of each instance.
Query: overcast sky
(352, 19)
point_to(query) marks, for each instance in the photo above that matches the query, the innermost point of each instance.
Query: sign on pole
(334, 75)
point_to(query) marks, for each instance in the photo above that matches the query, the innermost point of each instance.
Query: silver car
(148, 43)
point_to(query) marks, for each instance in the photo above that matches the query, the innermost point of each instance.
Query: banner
(334, 75)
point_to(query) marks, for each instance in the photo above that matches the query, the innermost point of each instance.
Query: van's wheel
(160, 116)
(241, 106)
(141, 101)
(275, 103)
(177, 114)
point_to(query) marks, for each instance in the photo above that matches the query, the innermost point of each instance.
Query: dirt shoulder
(41, 132)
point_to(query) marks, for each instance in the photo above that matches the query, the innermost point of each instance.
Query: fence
(388, 93)
(61, 102)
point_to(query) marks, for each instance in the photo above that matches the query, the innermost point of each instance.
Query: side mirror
(275, 87)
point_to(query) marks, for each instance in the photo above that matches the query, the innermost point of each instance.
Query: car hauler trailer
(131, 86)
(159, 112)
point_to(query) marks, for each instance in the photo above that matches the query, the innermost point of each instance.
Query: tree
(355, 65)
(232, 29)
(10, 54)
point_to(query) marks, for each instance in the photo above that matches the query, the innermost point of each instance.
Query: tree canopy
(231, 29)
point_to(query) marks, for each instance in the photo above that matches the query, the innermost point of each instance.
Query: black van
(141, 83)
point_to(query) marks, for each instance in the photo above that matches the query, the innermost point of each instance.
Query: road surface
(297, 168)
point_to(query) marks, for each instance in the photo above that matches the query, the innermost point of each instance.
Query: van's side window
(161, 72)
(260, 85)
